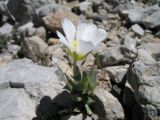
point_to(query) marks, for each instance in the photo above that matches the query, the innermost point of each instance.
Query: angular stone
(5, 58)
(53, 41)
(34, 48)
(86, 8)
(144, 77)
(53, 20)
(76, 117)
(117, 73)
(24, 10)
(6, 30)
(144, 55)
(26, 26)
(3, 8)
(137, 29)
(107, 107)
(148, 16)
(16, 105)
(96, 2)
(38, 81)
(114, 55)
(130, 45)
(55, 56)
(13, 49)
(152, 48)
(153, 20)
(41, 32)
(134, 15)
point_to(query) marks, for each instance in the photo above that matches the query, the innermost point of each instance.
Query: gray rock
(152, 20)
(152, 48)
(117, 3)
(132, 108)
(144, 55)
(54, 55)
(16, 105)
(86, 7)
(96, 2)
(137, 29)
(116, 73)
(107, 106)
(3, 8)
(144, 77)
(134, 15)
(41, 32)
(129, 44)
(24, 10)
(45, 10)
(148, 16)
(6, 30)
(113, 43)
(24, 27)
(34, 48)
(13, 49)
(150, 38)
(157, 34)
(38, 81)
(5, 58)
(111, 56)
(76, 117)
(26, 30)
(115, 55)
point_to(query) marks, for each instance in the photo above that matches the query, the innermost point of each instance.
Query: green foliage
(98, 59)
(150, 2)
(82, 89)
(16, 34)
(3, 42)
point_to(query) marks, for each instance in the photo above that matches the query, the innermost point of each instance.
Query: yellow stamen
(75, 44)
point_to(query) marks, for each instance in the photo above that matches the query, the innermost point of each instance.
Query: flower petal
(89, 32)
(85, 31)
(84, 47)
(69, 30)
(80, 30)
(99, 36)
(62, 38)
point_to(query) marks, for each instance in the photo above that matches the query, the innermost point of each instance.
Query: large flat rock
(22, 86)
(37, 80)
(144, 77)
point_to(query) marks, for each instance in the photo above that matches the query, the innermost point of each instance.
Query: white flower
(83, 39)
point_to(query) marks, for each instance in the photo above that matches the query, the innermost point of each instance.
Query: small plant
(3, 42)
(150, 2)
(80, 43)
(82, 91)
(15, 33)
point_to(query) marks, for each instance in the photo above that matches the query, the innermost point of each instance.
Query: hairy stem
(74, 68)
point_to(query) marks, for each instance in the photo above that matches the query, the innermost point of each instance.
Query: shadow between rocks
(99, 109)
(52, 109)
(59, 108)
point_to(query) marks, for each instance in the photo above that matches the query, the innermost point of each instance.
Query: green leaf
(69, 85)
(92, 75)
(76, 98)
(90, 101)
(76, 56)
(92, 82)
(88, 110)
(77, 86)
(85, 82)
(89, 89)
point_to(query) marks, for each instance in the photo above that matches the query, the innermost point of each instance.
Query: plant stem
(74, 68)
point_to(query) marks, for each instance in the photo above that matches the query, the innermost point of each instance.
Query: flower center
(75, 44)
